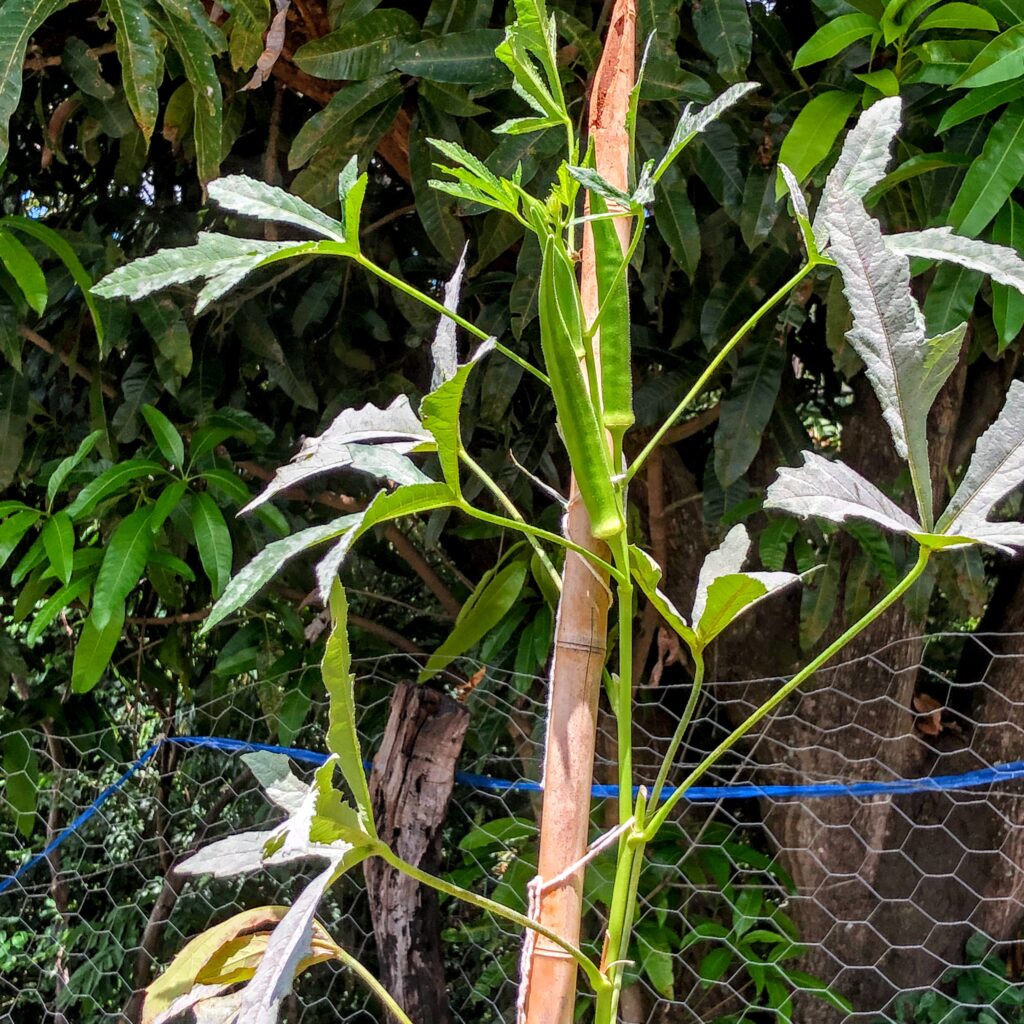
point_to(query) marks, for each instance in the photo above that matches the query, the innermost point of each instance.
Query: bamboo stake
(548, 987)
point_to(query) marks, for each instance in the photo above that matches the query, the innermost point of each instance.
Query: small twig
(41, 63)
(167, 620)
(390, 635)
(380, 222)
(402, 545)
(74, 366)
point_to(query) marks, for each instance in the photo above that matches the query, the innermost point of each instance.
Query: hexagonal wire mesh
(746, 901)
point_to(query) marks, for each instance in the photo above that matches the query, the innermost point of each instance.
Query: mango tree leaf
(56, 242)
(888, 334)
(1002, 59)
(13, 422)
(268, 563)
(359, 49)
(835, 36)
(995, 173)
(27, 274)
(19, 20)
(455, 57)
(168, 440)
(996, 468)
(1007, 302)
(492, 599)
(124, 561)
(950, 298)
(253, 198)
(213, 539)
(440, 413)
(55, 604)
(139, 50)
(354, 436)
(746, 409)
(979, 102)
(1002, 264)
(21, 781)
(409, 499)
(94, 649)
(59, 542)
(676, 220)
(13, 529)
(959, 15)
(723, 30)
(865, 155)
(196, 49)
(331, 126)
(339, 681)
(833, 491)
(111, 481)
(813, 133)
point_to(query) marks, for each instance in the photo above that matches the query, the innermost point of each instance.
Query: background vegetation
(112, 117)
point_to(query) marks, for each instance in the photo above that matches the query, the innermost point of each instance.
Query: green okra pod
(580, 424)
(613, 330)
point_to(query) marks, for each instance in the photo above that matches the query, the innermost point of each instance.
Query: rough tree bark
(410, 784)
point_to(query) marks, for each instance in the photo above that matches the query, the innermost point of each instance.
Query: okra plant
(587, 367)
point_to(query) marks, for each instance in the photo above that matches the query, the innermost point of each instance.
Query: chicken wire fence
(907, 904)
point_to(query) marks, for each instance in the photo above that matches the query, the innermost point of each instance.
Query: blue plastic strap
(697, 794)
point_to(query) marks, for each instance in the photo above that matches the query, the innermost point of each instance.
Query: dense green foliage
(129, 112)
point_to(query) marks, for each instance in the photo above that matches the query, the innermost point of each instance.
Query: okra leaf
(800, 211)
(342, 736)
(863, 159)
(370, 439)
(267, 564)
(289, 944)
(440, 413)
(693, 122)
(1000, 262)
(832, 491)
(647, 573)
(257, 199)
(221, 260)
(274, 774)
(888, 334)
(491, 600)
(407, 500)
(996, 468)
(444, 350)
(724, 591)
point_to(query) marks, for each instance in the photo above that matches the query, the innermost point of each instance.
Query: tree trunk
(410, 784)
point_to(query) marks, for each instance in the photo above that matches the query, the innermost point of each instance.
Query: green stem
(624, 700)
(507, 504)
(651, 830)
(373, 984)
(620, 918)
(443, 310)
(684, 724)
(530, 530)
(715, 363)
(589, 968)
